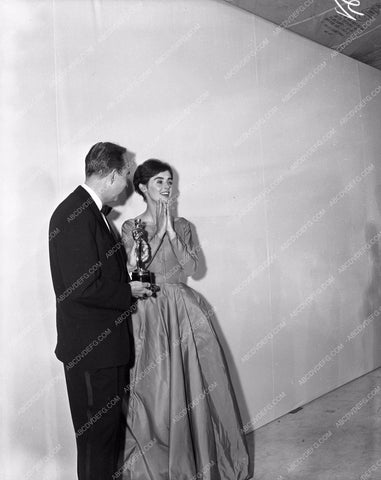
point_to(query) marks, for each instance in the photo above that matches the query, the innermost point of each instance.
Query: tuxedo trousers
(98, 399)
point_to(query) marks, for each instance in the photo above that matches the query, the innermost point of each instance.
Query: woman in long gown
(182, 422)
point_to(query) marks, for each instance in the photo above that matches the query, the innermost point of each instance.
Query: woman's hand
(164, 220)
(161, 218)
(170, 230)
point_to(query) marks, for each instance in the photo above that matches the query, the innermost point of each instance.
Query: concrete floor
(336, 437)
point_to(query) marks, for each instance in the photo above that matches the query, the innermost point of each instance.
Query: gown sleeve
(182, 246)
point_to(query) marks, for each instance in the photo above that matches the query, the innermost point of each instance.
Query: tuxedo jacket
(91, 283)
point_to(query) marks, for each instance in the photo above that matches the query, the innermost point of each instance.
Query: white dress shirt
(97, 201)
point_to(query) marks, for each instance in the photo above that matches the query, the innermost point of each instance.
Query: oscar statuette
(141, 274)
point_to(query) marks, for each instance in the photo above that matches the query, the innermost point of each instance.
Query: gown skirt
(183, 421)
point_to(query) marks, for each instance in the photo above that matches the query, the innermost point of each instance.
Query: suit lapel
(88, 200)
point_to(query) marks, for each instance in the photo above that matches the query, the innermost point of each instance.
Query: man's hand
(140, 289)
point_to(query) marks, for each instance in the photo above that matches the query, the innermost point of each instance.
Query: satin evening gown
(182, 420)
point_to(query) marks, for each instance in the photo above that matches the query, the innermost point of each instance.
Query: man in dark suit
(94, 300)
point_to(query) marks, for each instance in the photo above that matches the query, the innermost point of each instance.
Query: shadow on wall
(232, 372)
(231, 368)
(372, 298)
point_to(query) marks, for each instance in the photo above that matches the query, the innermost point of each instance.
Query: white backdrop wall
(276, 168)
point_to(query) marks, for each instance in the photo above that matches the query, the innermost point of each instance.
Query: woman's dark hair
(147, 170)
(103, 157)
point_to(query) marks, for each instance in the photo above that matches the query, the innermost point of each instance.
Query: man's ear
(112, 176)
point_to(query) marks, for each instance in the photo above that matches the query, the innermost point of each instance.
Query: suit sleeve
(80, 269)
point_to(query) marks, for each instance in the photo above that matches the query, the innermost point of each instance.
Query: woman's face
(159, 187)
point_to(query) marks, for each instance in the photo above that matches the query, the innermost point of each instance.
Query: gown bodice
(170, 260)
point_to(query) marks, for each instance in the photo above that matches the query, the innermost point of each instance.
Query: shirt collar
(94, 196)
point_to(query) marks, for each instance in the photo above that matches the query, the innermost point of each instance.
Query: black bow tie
(106, 210)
